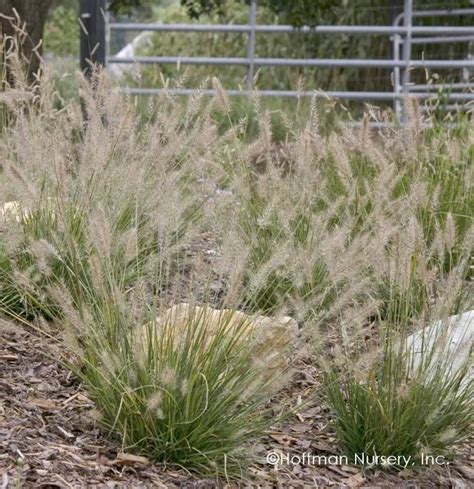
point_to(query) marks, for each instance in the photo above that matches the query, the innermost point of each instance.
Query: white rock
(12, 210)
(452, 340)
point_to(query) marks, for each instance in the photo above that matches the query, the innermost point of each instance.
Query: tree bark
(33, 14)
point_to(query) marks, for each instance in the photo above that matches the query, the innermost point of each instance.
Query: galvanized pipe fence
(403, 35)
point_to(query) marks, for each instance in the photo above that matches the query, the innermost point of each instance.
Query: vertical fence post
(397, 42)
(407, 23)
(251, 43)
(93, 34)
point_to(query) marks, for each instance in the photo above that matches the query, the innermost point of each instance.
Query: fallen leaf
(466, 471)
(300, 427)
(45, 404)
(305, 444)
(129, 459)
(284, 439)
(312, 412)
(355, 480)
(321, 446)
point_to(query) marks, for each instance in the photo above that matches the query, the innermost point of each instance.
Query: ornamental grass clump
(190, 395)
(116, 204)
(393, 396)
(86, 182)
(45, 252)
(395, 409)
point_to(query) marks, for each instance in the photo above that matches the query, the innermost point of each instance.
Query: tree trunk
(32, 15)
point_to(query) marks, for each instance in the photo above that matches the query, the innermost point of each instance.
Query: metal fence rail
(346, 95)
(404, 43)
(403, 35)
(320, 62)
(288, 29)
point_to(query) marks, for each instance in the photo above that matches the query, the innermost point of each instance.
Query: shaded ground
(49, 439)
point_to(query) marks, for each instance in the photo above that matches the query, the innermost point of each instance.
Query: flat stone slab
(270, 337)
(452, 339)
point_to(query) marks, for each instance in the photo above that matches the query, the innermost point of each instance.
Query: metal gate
(404, 33)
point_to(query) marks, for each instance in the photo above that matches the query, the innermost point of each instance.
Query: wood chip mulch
(49, 439)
